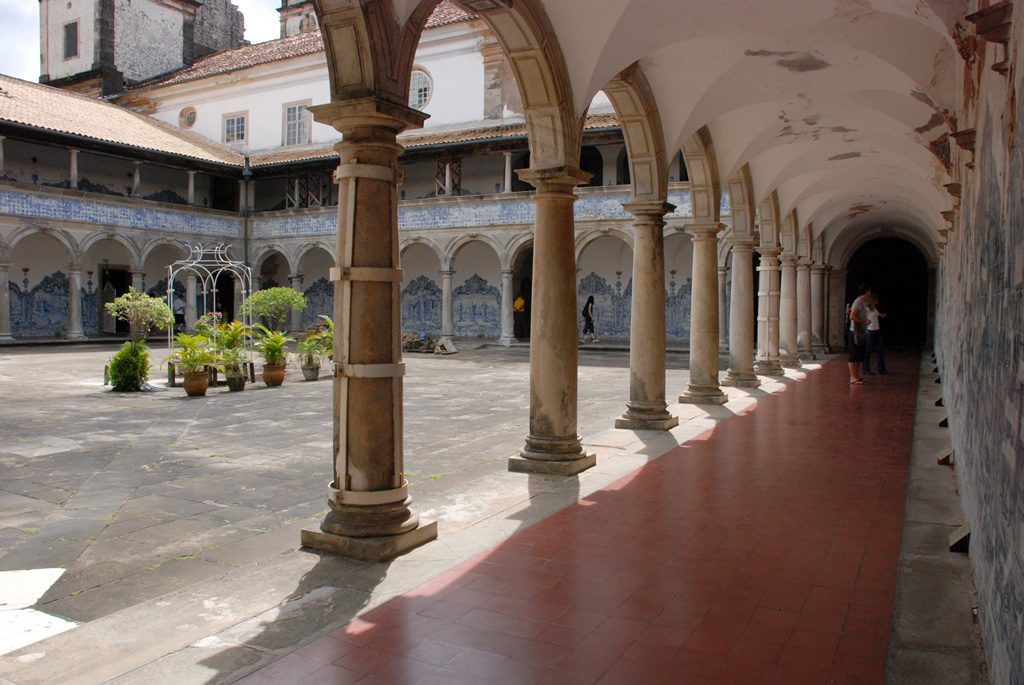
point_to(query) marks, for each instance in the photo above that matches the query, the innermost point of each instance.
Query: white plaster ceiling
(834, 104)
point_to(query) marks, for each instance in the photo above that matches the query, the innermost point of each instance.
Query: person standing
(858, 332)
(875, 341)
(519, 318)
(588, 320)
(179, 313)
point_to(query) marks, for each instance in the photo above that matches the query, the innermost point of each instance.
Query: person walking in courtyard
(875, 341)
(179, 313)
(588, 320)
(858, 332)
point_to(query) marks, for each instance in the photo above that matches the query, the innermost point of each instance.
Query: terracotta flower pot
(311, 373)
(273, 374)
(196, 383)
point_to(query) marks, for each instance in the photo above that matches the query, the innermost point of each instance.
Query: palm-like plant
(271, 345)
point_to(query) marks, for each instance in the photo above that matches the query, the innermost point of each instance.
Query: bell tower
(98, 47)
(297, 16)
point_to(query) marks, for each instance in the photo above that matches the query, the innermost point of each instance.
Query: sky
(19, 50)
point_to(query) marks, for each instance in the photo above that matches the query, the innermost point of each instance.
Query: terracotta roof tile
(420, 140)
(52, 109)
(275, 50)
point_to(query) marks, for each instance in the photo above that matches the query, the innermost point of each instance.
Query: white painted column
(803, 309)
(75, 302)
(818, 308)
(553, 445)
(704, 387)
(296, 318)
(73, 171)
(723, 310)
(447, 179)
(5, 300)
(447, 312)
(741, 318)
(768, 314)
(191, 187)
(508, 172)
(787, 313)
(239, 297)
(190, 303)
(646, 408)
(507, 320)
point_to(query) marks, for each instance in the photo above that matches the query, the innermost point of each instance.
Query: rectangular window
(296, 123)
(71, 40)
(234, 127)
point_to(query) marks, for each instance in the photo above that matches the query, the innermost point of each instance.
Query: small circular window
(187, 118)
(420, 88)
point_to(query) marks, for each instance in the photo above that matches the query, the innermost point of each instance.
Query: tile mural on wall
(476, 307)
(42, 206)
(613, 307)
(421, 307)
(319, 300)
(41, 311)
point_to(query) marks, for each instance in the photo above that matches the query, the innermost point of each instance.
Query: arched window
(420, 89)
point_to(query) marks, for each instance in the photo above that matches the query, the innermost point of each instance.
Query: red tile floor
(764, 551)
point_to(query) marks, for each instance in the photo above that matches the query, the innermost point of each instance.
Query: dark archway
(898, 273)
(592, 162)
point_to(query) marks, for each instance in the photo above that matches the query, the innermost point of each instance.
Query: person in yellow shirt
(519, 317)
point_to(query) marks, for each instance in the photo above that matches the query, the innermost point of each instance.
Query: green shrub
(275, 304)
(129, 368)
(142, 313)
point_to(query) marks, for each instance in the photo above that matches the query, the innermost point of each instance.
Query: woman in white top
(875, 341)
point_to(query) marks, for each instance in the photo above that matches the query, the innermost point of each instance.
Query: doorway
(114, 282)
(522, 286)
(898, 274)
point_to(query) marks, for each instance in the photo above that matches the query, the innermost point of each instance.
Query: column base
(789, 362)
(703, 396)
(6, 339)
(741, 380)
(383, 548)
(506, 340)
(821, 349)
(807, 355)
(77, 336)
(555, 467)
(637, 423)
(769, 368)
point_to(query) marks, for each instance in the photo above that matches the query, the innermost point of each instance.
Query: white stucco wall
(57, 14)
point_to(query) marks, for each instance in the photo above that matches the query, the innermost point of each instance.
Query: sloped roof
(421, 140)
(51, 109)
(275, 50)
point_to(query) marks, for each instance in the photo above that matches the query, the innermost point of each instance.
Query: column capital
(648, 210)
(803, 264)
(817, 266)
(554, 180)
(704, 231)
(788, 259)
(741, 242)
(447, 272)
(374, 112)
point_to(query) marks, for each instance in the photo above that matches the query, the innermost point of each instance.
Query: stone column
(190, 302)
(838, 323)
(296, 319)
(370, 516)
(507, 320)
(508, 172)
(75, 302)
(803, 309)
(73, 171)
(138, 281)
(704, 387)
(553, 445)
(723, 310)
(239, 287)
(191, 187)
(787, 313)
(137, 179)
(5, 301)
(768, 314)
(646, 408)
(447, 312)
(818, 343)
(741, 318)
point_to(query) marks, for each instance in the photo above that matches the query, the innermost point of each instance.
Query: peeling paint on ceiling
(845, 155)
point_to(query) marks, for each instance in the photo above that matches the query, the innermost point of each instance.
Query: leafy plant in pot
(193, 356)
(129, 369)
(271, 347)
(309, 358)
(233, 361)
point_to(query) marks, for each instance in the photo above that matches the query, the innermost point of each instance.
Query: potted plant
(193, 357)
(129, 369)
(309, 358)
(271, 348)
(233, 360)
